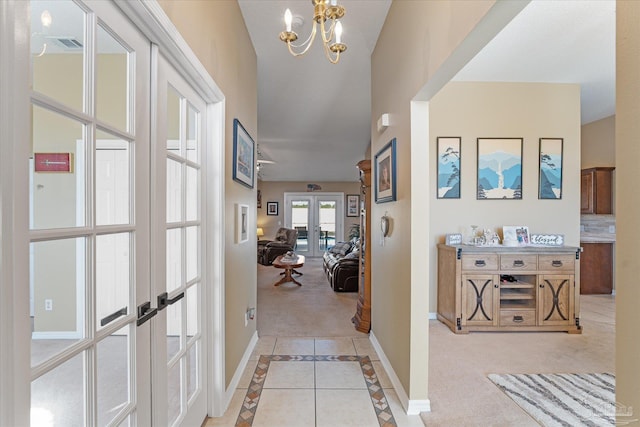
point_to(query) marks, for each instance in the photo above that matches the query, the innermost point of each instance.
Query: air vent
(68, 42)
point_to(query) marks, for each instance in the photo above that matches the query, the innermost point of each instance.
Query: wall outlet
(612, 229)
(48, 305)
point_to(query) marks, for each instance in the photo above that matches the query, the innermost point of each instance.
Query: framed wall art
(384, 177)
(243, 155)
(353, 204)
(550, 171)
(448, 167)
(242, 223)
(499, 168)
(272, 208)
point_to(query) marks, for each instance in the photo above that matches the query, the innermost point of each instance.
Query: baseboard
(411, 407)
(56, 335)
(240, 370)
(433, 316)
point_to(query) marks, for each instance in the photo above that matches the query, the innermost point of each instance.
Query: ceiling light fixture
(322, 10)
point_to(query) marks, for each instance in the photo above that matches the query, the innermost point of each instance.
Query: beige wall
(598, 143)
(273, 191)
(527, 110)
(216, 32)
(415, 41)
(628, 206)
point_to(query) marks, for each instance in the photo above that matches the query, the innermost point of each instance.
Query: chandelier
(322, 10)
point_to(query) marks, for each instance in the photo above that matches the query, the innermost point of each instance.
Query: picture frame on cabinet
(499, 169)
(384, 178)
(515, 235)
(448, 170)
(550, 168)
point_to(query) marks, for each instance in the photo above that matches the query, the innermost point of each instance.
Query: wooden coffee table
(288, 269)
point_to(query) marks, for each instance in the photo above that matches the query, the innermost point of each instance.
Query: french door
(318, 218)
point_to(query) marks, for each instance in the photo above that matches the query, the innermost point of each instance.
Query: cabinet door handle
(556, 263)
(480, 263)
(518, 319)
(518, 263)
(541, 285)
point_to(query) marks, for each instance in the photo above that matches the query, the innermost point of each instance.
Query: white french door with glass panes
(318, 217)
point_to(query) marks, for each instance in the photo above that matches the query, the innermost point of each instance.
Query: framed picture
(449, 167)
(243, 155)
(242, 223)
(53, 162)
(515, 235)
(499, 168)
(384, 177)
(272, 208)
(259, 202)
(550, 173)
(353, 204)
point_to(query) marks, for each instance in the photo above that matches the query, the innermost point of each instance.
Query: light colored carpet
(557, 400)
(310, 310)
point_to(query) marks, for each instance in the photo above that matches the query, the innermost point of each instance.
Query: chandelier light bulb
(334, 2)
(45, 18)
(338, 32)
(287, 19)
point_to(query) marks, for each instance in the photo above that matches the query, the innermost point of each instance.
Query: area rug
(563, 399)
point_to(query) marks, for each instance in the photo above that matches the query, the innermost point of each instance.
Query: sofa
(269, 250)
(340, 264)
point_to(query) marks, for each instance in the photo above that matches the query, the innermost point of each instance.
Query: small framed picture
(243, 152)
(550, 174)
(515, 235)
(272, 208)
(448, 167)
(242, 223)
(353, 204)
(384, 177)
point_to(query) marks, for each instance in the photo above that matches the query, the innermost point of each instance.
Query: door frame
(15, 123)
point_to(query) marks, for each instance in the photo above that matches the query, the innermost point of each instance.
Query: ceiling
(314, 117)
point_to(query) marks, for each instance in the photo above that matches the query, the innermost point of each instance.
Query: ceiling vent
(68, 43)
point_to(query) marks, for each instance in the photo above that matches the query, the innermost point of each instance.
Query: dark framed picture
(272, 208)
(259, 202)
(353, 204)
(243, 155)
(384, 177)
(449, 167)
(550, 172)
(499, 168)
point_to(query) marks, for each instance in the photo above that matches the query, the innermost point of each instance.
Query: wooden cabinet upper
(596, 191)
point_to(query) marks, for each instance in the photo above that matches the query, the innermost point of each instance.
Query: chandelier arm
(327, 36)
(308, 43)
(327, 53)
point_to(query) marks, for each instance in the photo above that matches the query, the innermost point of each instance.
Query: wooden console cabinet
(362, 318)
(509, 289)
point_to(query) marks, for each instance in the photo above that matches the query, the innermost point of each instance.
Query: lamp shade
(260, 232)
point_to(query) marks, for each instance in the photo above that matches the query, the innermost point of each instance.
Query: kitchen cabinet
(596, 268)
(596, 191)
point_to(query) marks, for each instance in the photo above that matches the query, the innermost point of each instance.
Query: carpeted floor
(310, 310)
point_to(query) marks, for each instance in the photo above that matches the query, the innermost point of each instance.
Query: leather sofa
(340, 264)
(269, 250)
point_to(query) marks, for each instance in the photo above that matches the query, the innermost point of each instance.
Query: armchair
(285, 241)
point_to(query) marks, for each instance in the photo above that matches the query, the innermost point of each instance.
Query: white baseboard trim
(239, 371)
(56, 335)
(433, 316)
(411, 407)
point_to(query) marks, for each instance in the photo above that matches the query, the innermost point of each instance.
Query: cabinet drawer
(519, 262)
(517, 318)
(564, 262)
(480, 262)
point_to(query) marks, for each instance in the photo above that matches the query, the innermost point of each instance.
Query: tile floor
(317, 382)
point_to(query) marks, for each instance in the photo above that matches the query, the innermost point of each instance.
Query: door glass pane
(113, 272)
(327, 223)
(174, 261)
(114, 374)
(192, 255)
(174, 389)
(174, 329)
(192, 194)
(193, 327)
(112, 80)
(58, 174)
(300, 221)
(173, 120)
(193, 383)
(193, 130)
(57, 397)
(58, 280)
(174, 191)
(57, 57)
(112, 179)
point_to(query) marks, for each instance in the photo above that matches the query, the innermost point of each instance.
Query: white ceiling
(314, 117)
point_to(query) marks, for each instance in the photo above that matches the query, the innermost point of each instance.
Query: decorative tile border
(252, 398)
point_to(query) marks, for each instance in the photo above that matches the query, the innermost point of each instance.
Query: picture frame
(499, 169)
(515, 235)
(550, 168)
(353, 205)
(53, 162)
(259, 199)
(243, 155)
(448, 168)
(272, 208)
(384, 177)
(242, 223)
